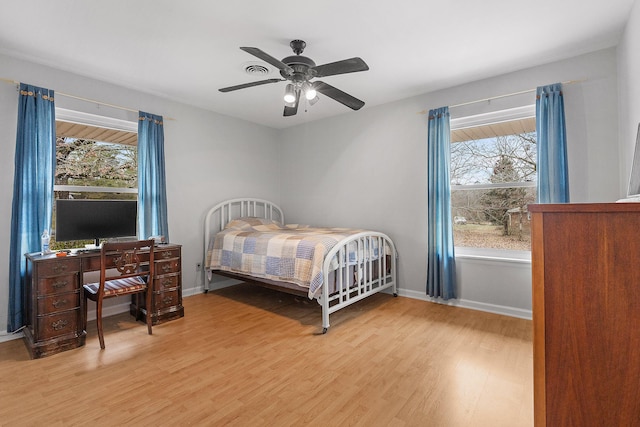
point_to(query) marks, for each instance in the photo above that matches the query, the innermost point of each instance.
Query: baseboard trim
(473, 305)
(109, 311)
(199, 289)
(8, 336)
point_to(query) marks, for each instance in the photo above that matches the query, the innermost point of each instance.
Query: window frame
(79, 117)
(96, 121)
(499, 116)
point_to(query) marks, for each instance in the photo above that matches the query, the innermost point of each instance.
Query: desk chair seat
(117, 287)
(123, 271)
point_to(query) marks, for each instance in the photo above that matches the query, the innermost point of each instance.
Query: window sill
(482, 254)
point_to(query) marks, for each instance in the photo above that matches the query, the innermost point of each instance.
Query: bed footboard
(362, 265)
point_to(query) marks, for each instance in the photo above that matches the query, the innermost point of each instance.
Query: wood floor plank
(251, 356)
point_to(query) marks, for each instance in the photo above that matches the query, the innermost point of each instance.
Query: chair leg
(84, 312)
(99, 322)
(149, 317)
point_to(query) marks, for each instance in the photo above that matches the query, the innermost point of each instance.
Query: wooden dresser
(54, 300)
(586, 314)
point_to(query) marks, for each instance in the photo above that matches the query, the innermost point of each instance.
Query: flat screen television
(95, 219)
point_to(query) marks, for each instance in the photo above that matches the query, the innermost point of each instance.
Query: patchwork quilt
(264, 248)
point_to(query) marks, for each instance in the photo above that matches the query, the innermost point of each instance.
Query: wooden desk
(54, 296)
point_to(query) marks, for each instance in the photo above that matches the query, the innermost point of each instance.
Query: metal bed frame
(371, 275)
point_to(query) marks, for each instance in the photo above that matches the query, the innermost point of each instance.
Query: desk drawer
(58, 284)
(59, 267)
(167, 282)
(56, 325)
(59, 302)
(166, 299)
(166, 267)
(166, 254)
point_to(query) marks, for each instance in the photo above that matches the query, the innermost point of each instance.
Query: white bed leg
(325, 306)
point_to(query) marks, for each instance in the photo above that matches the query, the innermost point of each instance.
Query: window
(493, 179)
(96, 158)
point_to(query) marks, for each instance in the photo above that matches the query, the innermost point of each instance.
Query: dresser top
(584, 207)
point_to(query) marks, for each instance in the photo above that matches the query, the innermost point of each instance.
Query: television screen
(95, 219)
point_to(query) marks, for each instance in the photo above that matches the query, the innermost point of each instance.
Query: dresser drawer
(166, 299)
(166, 267)
(58, 284)
(56, 325)
(167, 282)
(59, 267)
(59, 302)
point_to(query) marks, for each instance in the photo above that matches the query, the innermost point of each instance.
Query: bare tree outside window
(87, 169)
(493, 179)
(82, 162)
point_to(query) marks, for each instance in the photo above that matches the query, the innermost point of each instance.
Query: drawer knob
(59, 325)
(166, 282)
(60, 285)
(167, 300)
(59, 303)
(165, 268)
(166, 254)
(60, 266)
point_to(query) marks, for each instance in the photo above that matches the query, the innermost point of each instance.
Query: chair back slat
(126, 261)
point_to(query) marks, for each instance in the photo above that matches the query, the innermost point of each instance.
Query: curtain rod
(93, 101)
(500, 96)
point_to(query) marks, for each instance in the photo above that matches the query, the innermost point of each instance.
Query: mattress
(292, 253)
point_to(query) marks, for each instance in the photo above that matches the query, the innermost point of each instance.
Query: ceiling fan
(300, 71)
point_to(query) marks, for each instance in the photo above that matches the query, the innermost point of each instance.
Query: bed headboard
(222, 213)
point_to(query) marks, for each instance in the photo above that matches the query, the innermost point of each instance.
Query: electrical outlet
(198, 266)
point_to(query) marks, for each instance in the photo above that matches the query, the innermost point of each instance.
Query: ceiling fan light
(311, 93)
(289, 94)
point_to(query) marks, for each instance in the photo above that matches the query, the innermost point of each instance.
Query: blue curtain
(553, 175)
(32, 189)
(152, 189)
(441, 270)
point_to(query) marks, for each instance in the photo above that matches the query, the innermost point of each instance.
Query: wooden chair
(122, 272)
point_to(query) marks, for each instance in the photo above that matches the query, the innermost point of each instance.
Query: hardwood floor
(250, 356)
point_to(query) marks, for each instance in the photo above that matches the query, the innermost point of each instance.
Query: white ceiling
(186, 50)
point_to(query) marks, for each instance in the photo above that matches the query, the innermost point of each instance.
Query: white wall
(364, 169)
(629, 90)
(368, 169)
(209, 157)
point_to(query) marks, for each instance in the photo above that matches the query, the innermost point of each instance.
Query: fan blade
(269, 59)
(340, 67)
(338, 95)
(292, 111)
(245, 85)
